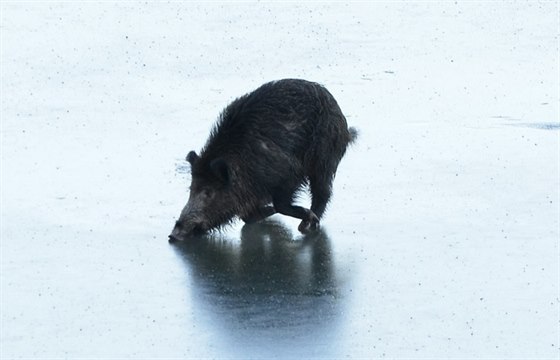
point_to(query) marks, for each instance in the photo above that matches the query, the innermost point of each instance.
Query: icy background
(442, 237)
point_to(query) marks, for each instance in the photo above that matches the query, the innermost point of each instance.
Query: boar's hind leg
(321, 194)
(309, 221)
(259, 214)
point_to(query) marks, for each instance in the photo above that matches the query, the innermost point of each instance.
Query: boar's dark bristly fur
(265, 147)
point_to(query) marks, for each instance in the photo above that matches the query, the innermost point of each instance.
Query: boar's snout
(193, 220)
(183, 230)
(177, 233)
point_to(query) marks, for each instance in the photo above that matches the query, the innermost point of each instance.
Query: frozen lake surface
(442, 237)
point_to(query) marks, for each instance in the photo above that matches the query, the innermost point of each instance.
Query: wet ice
(442, 236)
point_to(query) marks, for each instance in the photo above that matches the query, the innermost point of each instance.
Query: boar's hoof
(310, 224)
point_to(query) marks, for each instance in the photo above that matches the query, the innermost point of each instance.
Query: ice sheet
(442, 237)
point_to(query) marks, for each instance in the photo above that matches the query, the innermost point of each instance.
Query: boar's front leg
(259, 214)
(309, 221)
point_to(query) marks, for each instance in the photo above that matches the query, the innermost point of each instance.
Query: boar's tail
(353, 134)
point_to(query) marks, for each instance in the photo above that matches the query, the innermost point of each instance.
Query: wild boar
(267, 146)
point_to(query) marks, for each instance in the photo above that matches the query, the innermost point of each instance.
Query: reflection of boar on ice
(265, 147)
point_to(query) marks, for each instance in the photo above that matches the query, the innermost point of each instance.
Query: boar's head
(210, 201)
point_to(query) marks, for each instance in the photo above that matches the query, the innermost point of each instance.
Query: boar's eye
(207, 193)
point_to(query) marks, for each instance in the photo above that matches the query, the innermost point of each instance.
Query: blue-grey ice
(441, 240)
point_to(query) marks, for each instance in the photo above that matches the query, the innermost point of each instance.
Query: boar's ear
(192, 157)
(220, 169)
